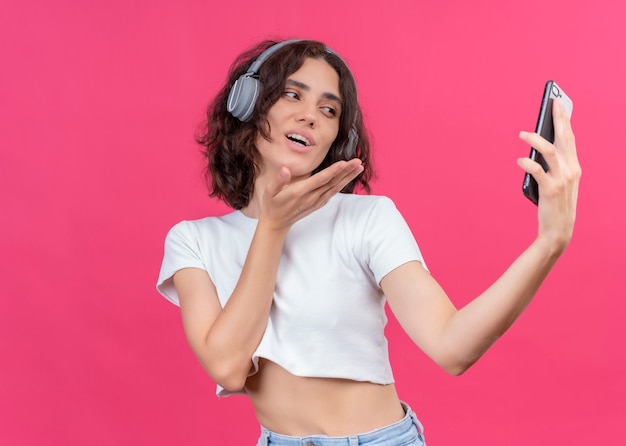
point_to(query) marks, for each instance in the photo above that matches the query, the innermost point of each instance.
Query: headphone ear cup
(348, 151)
(242, 97)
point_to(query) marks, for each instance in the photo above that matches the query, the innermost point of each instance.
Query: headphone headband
(256, 65)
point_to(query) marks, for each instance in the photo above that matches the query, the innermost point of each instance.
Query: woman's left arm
(455, 339)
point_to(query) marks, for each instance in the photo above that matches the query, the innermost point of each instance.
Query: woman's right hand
(284, 202)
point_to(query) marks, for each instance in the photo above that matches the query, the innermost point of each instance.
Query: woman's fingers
(564, 139)
(333, 174)
(561, 154)
(350, 171)
(337, 183)
(547, 150)
(279, 183)
(332, 179)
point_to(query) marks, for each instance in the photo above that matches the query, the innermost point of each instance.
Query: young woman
(283, 298)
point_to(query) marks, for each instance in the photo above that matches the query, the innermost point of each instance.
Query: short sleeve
(389, 241)
(181, 251)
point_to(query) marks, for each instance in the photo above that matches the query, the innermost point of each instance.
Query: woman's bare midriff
(299, 406)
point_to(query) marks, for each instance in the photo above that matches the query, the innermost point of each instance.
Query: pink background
(99, 102)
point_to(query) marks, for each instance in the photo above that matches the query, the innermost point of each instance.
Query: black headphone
(245, 92)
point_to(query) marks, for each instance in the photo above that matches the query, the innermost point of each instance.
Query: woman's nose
(307, 115)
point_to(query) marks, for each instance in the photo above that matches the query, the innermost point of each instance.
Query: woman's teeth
(298, 139)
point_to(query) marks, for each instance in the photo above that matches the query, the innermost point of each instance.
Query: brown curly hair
(229, 144)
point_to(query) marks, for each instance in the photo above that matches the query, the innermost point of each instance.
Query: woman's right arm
(224, 339)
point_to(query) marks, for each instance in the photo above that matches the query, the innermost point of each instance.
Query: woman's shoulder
(211, 223)
(361, 203)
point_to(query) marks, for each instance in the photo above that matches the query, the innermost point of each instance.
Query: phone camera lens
(555, 91)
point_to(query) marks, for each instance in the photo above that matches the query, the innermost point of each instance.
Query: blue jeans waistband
(399, 433)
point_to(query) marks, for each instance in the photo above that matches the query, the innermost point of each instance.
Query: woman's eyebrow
(305, 87)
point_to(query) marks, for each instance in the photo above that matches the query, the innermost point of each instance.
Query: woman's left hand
(558, 187)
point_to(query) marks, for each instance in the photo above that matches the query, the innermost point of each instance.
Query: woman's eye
(330, 111)
(291, 94)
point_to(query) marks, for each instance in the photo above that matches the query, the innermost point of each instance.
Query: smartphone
(545, 128)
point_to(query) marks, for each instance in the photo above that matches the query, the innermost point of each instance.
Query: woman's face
(303, 122)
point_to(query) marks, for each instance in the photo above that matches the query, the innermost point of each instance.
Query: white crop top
(327, 318)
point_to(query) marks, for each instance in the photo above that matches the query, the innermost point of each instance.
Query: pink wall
(98, 105)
